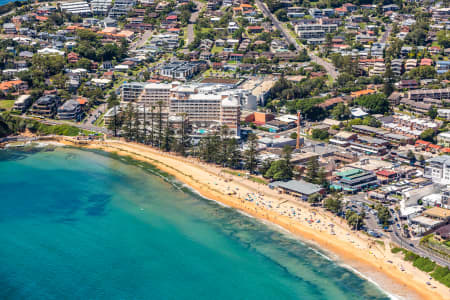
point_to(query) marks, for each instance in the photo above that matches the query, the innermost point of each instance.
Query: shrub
(442, 274)
(410, 256)
(396, 250)
(424, 264)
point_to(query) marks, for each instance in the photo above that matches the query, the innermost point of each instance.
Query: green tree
(320, 134)
(234, 154)
(113, 100)
(281, 15)
(432, 113)
(340, 112)
(314, 198)
(279, 171)
(59, 80)
(354, 220)
(334, 203)
(127, 127)
(411, 157)
(312, 169)
(375, 103)
(322, 178)
(422, 72)
(250, 155)
(443, 38)
(265, 166)
(184, 140)
(168, 137)
(383, 214)
(160, 123)
(428, 135)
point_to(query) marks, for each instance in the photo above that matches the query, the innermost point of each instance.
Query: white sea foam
(283, 230)
(391, 296)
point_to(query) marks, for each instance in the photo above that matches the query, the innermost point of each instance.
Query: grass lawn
(6, 104)
(250, 177)
(216, 49)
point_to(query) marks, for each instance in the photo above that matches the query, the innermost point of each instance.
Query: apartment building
(45, 106)
(101, 7)
(369, 145)
(204, 106)
(22, 103)
(77, 8)
(199, 107)
(295, 12)
(70, 110)
(155, 93)
(444, 113)
(396, 66)
(443, 139)
(165, 41)
(379, 68)
(9, 28)
(230, 114)
(155, 100)
(121, 8)
(410, 64)
(438, 169)
(180, 70)
(311, 34)
(327, 27)
(131, 91)
(419, 95)
(442, 66)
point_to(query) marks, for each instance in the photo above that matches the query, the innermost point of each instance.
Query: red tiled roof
(422, 142)
(331, 102)
(82, 100)
(434, 146)
(385, 173)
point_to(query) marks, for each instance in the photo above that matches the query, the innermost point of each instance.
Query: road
(330, 69)
(93, 115)
(396, 236)
(394, 233)
(386, 34)
(142, 40)
(192, 21)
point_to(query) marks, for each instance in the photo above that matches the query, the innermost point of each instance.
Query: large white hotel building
(207, 107)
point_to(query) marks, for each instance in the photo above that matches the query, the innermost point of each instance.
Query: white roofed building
(81, 8)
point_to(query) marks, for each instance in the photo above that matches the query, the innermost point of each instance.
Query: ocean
(77, 224)
(2, 2)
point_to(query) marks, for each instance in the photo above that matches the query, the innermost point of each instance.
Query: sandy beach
(371, 258)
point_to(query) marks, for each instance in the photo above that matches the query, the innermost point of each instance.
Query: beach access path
(367, 255)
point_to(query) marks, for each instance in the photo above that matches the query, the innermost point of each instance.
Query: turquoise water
(84, 225)
(5, 1)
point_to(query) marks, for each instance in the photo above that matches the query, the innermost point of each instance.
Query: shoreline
(357, 252)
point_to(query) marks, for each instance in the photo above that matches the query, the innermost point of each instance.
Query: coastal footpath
(367, 255)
